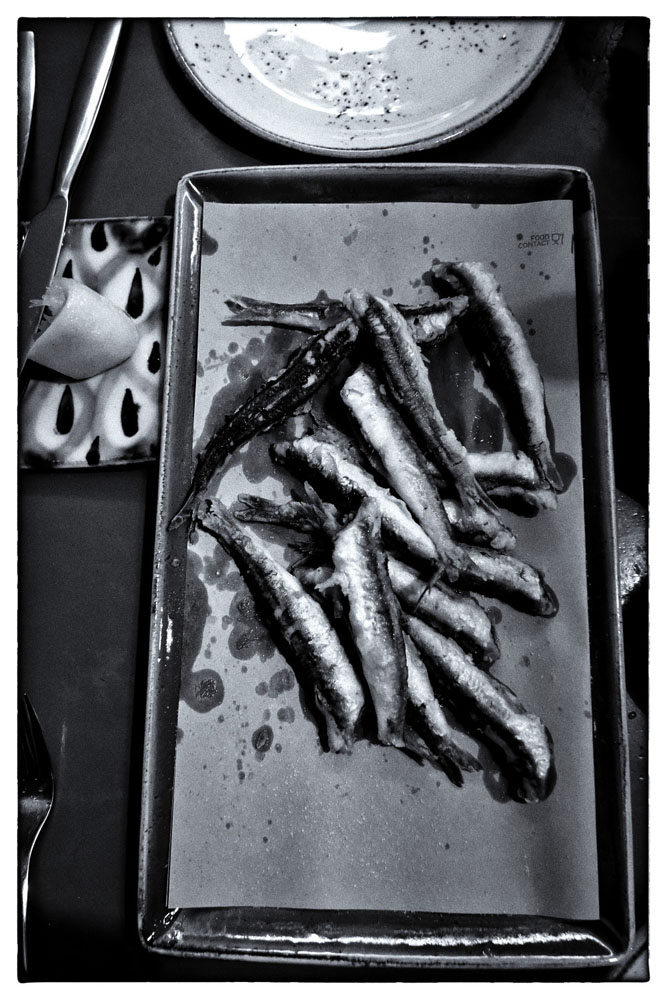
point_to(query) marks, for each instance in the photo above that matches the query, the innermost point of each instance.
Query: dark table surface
(86, 537)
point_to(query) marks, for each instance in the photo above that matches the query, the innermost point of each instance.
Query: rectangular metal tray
(406, 940)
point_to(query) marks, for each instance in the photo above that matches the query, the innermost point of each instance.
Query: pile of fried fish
(403, 524)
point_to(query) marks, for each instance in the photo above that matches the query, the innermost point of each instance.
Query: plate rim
(393, 149)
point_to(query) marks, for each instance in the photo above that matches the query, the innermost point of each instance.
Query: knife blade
(42, 244)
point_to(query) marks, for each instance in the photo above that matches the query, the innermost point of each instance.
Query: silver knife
(26, 95)
(41, 247)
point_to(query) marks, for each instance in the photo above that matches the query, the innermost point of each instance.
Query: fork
(35, 799)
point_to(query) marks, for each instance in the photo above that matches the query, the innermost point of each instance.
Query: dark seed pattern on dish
(65, 416)
(135, 300)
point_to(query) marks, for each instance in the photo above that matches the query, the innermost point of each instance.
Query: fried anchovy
(510, 480)
(513, 498)
(478, 699)
(426, 717)
(404, 469)
(330, 470)
(428, 322)
(496, 574)
(301, 627)
(456, 615)
(360, 565)
(278, 398)
(315, 316)
(300, 515)
(405, 373)
(504, 468)
(496, 336)
(523, 501)
(426, 732)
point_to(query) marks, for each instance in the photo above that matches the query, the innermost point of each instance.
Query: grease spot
(262, 739)
(202, 690)
(249, 636)
(567, 468)
(206, 690)
(219, 569)
(209, 245)
(281, 681)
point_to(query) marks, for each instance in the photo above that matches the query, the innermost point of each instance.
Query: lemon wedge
(87, 334)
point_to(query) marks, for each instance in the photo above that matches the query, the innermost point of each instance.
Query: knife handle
(26, 94)
(86, 100)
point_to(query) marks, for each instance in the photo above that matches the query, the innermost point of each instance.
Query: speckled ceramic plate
(363, 87)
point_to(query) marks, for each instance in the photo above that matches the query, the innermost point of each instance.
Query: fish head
(357, 302)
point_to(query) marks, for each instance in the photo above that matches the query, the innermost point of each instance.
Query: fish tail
(187, 512)
(550, 602)
(454, 757)
(451, 769)
(434, 579)
(453, 761)
(548, 470)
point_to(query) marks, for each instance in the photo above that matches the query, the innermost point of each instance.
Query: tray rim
(192, 933)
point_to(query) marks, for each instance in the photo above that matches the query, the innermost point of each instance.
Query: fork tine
(36, 794)
(27, 756)
(34, 760)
